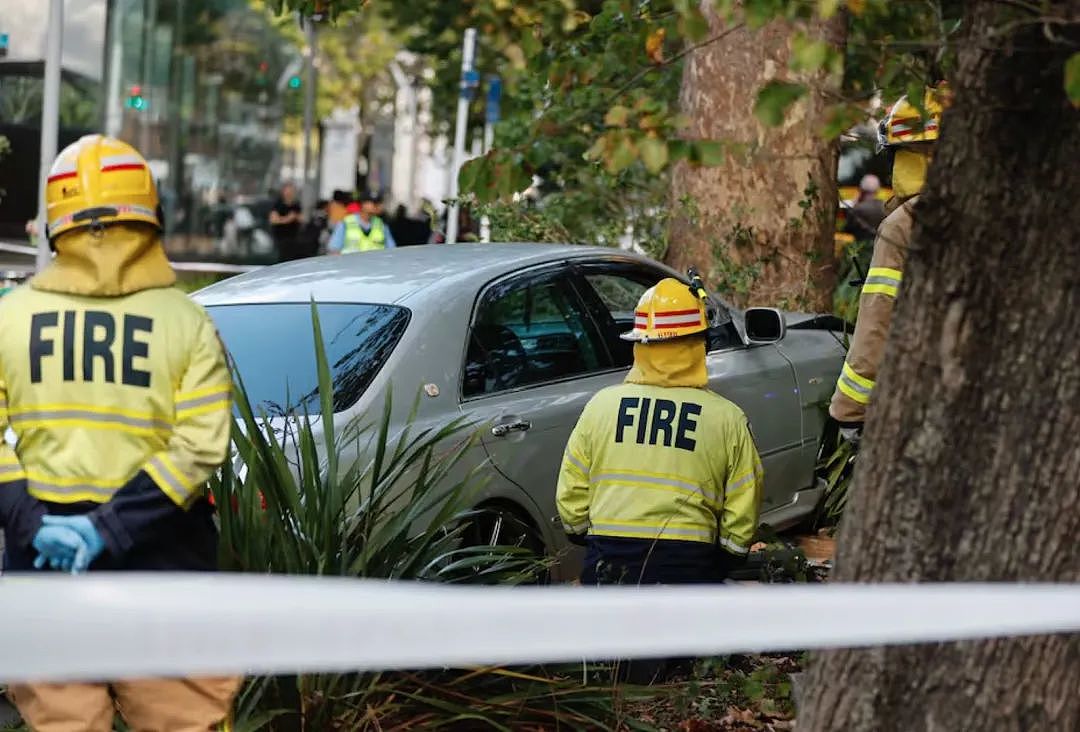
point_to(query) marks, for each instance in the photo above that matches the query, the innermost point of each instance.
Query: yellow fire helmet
(98, 181)
(670, 309)
(906, 125)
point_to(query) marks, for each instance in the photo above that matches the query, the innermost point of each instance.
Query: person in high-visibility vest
(911, 139)
(116, 387)
(361, 230)
(661, 480)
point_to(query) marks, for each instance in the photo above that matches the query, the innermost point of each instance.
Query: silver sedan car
(517, 337)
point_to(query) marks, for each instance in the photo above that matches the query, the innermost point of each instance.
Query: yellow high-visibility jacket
(98, 388)
(858, 377)
(655, 462)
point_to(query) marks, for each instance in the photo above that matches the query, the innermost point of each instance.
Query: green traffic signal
(294, 82)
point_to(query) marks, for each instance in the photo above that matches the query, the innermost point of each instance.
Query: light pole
(491, 116)
(50, 122)
(469, 81)
(307, 195)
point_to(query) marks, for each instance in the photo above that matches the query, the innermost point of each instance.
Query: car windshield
(271, 347)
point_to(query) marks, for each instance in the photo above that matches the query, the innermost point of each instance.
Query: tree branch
(674, 59)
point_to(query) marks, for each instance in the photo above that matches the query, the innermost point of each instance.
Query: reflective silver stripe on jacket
(736, 485)
(223, 396)
(569, 456)
(45, 486)
(681, 485)
(732, 546)
(651, 531)
(167, 475)
(57, 415)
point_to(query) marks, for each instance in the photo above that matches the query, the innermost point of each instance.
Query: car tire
(499, 524)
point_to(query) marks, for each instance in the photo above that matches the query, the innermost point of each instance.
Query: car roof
(391, 275)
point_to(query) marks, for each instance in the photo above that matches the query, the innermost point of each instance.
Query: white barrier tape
(116, 626)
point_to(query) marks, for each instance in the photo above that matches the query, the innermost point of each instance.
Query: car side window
(614, 293)
(527, 332)
(617, 292)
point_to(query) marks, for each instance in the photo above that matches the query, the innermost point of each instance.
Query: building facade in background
(212, 93)
(204, 89)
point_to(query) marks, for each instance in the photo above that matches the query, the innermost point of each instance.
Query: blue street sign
(3, 44)
(470, 81)
(494, 97)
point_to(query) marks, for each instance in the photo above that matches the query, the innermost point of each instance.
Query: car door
(757, 378)
(533, 360)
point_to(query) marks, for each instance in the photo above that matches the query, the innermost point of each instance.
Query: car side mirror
(764, 325)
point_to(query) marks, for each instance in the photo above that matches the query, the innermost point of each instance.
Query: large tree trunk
(971, 469)
(760, 226)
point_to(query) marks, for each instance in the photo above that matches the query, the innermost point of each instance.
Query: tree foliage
(591, 87)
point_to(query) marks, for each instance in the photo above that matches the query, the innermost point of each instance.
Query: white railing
(13, 248)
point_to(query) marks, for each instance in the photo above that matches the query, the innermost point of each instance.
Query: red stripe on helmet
(123, 166)
(673, 313)
(62, 176)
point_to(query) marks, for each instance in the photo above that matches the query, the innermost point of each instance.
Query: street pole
(414, 146)
(50, 122)
(114, 103)
(469, 81)
(307, 194)
(491, 116)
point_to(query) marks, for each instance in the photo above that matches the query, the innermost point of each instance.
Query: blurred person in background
(361, 230)
(285, 221)
(868, 211)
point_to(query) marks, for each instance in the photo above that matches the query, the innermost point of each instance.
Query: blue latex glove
(92, 543)
(57, 547)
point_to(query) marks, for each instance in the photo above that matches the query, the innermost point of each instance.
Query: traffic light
(135, 99)
(294, 81)
(261, 75)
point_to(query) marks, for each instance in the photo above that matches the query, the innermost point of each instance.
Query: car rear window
(272, 347)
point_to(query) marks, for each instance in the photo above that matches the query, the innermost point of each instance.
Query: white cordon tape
(116, 626)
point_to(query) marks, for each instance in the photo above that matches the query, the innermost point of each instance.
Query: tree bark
(759, 226)
(971, 465)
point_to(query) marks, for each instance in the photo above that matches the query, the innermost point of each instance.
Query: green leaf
(915, 90)
(617, 116)
(1072, 79)
(711, 153)
(694, 25)
(622, 156)
(774, 99)
(679, 150)
(808, 54)
(654, 154)
(469, 175)
(598, 151)
(760, 12)
(828, 8)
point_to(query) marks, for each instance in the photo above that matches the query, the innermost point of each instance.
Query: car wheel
(500, 525)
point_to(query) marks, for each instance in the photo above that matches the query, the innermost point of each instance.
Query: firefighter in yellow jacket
(912, 140)
(116, 386)
(660, 478)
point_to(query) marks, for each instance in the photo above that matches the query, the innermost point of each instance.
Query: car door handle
(505, 428)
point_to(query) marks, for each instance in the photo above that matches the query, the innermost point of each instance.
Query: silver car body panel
(782, 387)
